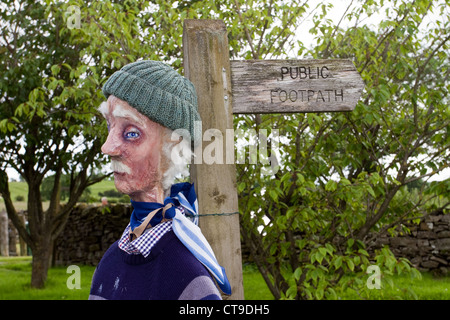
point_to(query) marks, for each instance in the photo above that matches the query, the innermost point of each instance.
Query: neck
(154, 195)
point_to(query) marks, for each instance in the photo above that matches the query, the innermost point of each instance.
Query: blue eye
(131, 135)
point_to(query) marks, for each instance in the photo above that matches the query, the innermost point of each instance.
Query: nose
(111, 147)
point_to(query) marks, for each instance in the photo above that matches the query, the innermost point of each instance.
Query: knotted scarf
(149, 214)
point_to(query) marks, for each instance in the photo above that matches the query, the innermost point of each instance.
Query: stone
(434, 218)
(421, 243)
(416, 260)
(443, 270)
(430, 264)
(426, 235)
(381, 241)
(441, 227)
(94, 247)
(443, 244)
(423, 226)
(403, 242)
(409, 251)
(443, 234)
(439, 260)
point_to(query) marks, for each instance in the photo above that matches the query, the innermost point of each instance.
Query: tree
(315, 220)
(48, 124)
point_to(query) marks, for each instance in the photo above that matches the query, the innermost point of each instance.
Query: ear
(172, 138)
(169, 142)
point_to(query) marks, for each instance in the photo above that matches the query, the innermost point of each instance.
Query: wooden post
(207, 65)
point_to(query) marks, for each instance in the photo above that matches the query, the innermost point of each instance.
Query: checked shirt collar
(144, 244)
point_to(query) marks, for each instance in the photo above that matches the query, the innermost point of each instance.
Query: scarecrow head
(151, 112)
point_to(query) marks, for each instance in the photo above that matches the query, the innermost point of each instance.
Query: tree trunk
(40, 263)
(40, 234)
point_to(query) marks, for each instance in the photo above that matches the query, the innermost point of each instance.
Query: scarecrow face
(134, 144)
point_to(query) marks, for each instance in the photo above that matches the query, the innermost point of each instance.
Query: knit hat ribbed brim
(159, 92)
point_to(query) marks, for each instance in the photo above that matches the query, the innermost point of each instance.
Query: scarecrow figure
(162, 254)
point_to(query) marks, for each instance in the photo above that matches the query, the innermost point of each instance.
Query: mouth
(119, 168)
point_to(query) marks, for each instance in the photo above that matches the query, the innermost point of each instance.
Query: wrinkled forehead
(117, 108)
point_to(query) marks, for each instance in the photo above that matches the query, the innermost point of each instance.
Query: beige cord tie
(137, 232)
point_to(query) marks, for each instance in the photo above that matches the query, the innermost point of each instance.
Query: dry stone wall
(89, 232)
(92, 229)
(427, 246)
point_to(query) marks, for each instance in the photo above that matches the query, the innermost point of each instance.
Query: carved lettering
(284, 70)
(301, 73)
(340, 95)
(328, 95)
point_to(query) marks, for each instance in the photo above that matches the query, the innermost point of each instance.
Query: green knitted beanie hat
(159, 92)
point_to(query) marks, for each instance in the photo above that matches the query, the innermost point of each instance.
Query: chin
(123, 188)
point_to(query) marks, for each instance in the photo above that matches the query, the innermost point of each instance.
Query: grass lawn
(254, 286)
(21, 189)
(427, 288)
(15, 273)
(430, 287)
(102, 186)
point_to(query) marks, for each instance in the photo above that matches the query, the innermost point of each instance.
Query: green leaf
(319, 257)
(371, 192)
(323, 251)
(338, 262)
(3, 125)
(350, 243)
(331, 185)
(291, 292)
(319, 293)
(350, 264)
(297, 273)
(274, 195)
(55, 69)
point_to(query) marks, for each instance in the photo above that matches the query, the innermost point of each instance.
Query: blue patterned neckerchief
(149, 214)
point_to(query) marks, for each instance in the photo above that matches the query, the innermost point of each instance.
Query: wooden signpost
(225, 87)
(288, 86)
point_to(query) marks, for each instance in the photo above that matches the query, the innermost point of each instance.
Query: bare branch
(247, 33)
